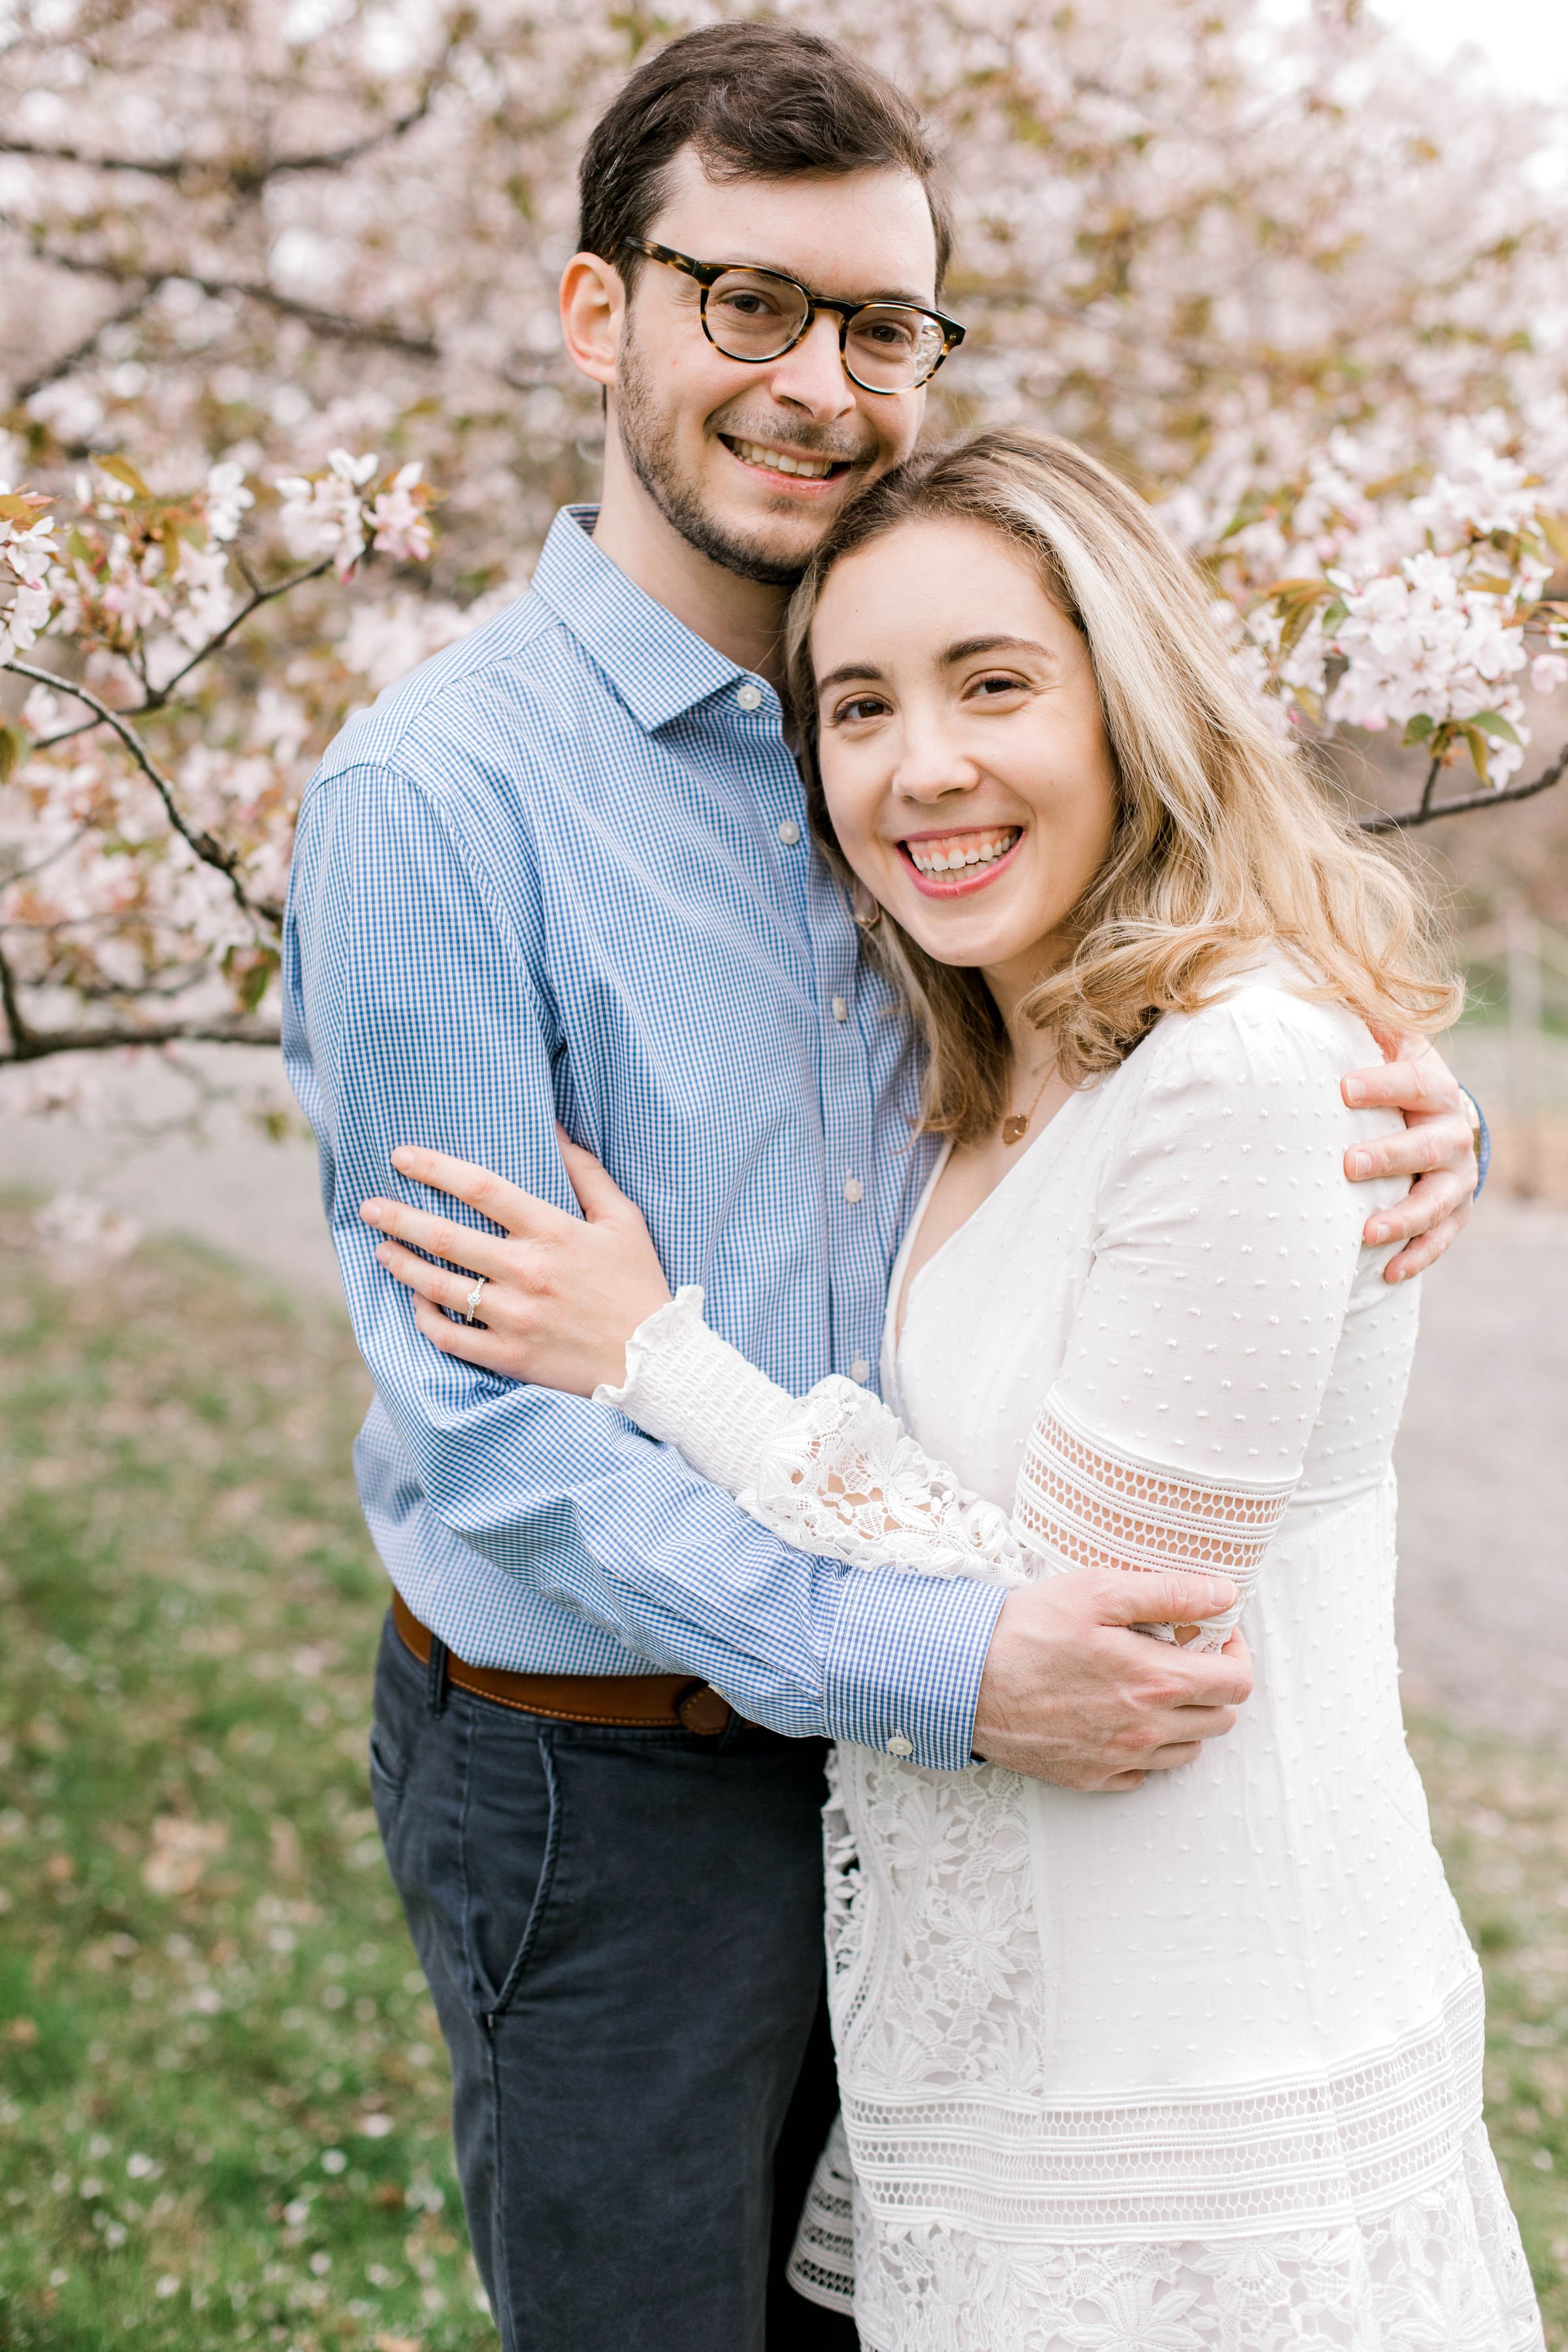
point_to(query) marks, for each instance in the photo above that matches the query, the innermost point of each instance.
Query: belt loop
(436, 1677)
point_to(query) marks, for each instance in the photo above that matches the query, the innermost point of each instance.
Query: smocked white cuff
(691, 1388)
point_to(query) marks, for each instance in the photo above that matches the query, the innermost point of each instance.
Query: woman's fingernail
(1361, 1163)
(1377, 1232)
(1354, 1091)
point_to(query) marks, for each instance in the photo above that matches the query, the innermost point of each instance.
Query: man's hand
(1071, 1693)
(1435, 1148)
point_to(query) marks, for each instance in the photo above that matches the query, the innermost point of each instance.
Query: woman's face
(963, 756)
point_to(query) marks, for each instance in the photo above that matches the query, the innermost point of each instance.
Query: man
(561, 872)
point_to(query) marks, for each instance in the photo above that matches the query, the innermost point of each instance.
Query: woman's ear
(592, 312)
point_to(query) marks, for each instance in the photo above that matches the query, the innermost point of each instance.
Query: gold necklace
(1015, 1126)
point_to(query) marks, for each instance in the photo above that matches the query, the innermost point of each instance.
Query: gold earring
(868, 914)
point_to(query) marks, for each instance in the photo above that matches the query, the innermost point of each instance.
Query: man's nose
(810, 378)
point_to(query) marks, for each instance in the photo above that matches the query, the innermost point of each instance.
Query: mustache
(805, 440)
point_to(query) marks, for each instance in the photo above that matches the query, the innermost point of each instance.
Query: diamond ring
(471, 1310)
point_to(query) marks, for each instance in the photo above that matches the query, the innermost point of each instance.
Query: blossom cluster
(169, 722)
(1379, 588)
(1259, 258)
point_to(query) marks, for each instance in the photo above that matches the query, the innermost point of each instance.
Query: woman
(1197, 2071)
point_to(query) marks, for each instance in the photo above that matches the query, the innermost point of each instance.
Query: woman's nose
(930, 766)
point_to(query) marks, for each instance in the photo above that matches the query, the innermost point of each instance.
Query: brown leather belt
(629, 1701)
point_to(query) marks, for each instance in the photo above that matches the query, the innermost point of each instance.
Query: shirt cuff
(1483, 1144)
(904, 1666)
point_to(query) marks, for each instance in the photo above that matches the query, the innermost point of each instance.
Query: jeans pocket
(388, 1770)
(511, 1845)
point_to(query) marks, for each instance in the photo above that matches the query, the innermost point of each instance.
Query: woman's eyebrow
(848, 671)
(967, 648)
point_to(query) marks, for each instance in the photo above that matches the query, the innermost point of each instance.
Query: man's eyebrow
(848, 671)
(886, 294)
(967, 648)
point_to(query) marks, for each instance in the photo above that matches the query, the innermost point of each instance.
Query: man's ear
(592, 312)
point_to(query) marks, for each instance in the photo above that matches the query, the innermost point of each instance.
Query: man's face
(699, 430)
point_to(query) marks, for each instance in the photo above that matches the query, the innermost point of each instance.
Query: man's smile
(781, 466)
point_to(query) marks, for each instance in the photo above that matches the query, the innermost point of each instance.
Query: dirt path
(1483, 1468)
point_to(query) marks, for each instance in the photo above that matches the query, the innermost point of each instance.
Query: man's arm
(413, 1016)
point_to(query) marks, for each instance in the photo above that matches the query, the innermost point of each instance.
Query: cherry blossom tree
(270, 275)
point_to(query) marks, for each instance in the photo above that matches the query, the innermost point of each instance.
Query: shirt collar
(659, 668)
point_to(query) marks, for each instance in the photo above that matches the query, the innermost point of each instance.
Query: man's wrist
(906, 1662)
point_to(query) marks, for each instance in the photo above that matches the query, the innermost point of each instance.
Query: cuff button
(900, 1745)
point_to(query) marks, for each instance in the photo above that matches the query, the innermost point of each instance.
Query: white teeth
(776, 462)
(985, 850)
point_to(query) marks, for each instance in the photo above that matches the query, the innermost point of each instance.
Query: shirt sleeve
(414, 1014)
(1229, 1243)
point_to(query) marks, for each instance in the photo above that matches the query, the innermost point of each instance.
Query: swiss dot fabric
(1194, 2069)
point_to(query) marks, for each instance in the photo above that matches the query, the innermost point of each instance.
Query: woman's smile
(952, 863)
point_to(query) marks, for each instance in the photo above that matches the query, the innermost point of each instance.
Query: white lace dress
(1194, 2069)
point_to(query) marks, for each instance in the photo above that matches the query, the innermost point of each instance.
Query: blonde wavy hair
(1223, 839)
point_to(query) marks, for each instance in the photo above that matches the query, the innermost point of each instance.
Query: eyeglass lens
(752, 315)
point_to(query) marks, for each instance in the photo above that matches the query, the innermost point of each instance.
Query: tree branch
(37, 1045)
(80, 351)
(158, 695)
(21, 1035)
(211, 852)
(246, 179)
(332, 323)
(1429, 810)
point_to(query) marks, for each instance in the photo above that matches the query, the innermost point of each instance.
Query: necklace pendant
(1015, 1128)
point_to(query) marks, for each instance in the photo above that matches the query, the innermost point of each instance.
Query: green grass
(222, 2106)
(222, 2110)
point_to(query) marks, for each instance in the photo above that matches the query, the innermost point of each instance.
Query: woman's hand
(562, 1295)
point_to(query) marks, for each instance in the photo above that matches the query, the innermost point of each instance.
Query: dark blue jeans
(622, 1932)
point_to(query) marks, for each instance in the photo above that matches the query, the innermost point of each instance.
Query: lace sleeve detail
(1088, 1506)
(843, 1478)
(832, 1471)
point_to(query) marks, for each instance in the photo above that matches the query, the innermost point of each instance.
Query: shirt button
(789, 833)
(859, 1369)
(899, 1744)
(853, 1188)
(840, 1010)
(748, 695)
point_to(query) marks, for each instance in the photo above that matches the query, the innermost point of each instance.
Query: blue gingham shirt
(562, 871)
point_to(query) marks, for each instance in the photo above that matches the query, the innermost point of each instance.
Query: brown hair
(757, 101)
(1223, 840)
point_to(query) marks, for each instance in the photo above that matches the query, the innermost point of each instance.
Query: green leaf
(248, 972)
(1492, 722)
(22, 505)
(12, 743)
(1418, 730)
(124, 471)
(1554, 531)
(1334, 615)
(1477, 743)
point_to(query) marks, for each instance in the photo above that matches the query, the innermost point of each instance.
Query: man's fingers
(1135, 1598)
(1171, 1759)
(1427, 1247)
(1441, 1141)
(1422, 1082)
(504, 1204)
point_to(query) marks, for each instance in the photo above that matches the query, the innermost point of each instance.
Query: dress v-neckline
(904, 1285)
